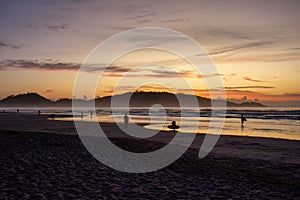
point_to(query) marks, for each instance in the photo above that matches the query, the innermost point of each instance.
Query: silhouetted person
(126, 120)
(81, 115)
(243, 119)
(91, 114)
(39, 112)
(173, 126)
(17, 110)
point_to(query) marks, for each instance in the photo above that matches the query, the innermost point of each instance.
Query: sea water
(261, 122)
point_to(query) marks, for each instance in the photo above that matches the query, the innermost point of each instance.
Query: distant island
(138, 99)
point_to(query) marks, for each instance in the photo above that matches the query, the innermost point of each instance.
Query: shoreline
(70, 123)
(273, 149)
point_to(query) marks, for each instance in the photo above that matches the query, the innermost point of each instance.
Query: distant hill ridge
(28, 99)
(137, 99)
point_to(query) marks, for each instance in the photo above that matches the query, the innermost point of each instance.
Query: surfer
(243, 119)
(173, 126)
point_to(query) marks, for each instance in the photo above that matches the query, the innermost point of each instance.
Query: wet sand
(43, 158)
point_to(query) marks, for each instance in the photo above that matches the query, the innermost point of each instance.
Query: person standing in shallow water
(243, 119)
(126, 120)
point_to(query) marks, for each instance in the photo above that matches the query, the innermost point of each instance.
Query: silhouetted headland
(137, 99)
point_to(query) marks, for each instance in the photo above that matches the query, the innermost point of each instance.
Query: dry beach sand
(45, 159)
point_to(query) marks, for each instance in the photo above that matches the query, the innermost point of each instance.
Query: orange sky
(255, 46)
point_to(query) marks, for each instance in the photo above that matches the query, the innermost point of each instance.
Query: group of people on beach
(173, 125)
(39, 111)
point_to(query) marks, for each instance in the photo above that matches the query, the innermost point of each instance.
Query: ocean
(261, 122)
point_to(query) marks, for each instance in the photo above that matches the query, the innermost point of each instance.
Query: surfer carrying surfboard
(243, 119)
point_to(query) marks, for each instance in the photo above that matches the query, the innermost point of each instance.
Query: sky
(254, 44)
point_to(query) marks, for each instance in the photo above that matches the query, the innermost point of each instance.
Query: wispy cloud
(260, 95)
(109, 71)
(249, 44)
(293, 94)
(250, 87)
(50, 91)
(56, 27)
(135, 8)
(176, 20)
(54, 65)
(144, 21)
(4, 44)
(49, 27)
(139, 16)
(253, 80)
(183, 9)
(260, 57)
(34, 64)
(157, 73)
(242, 93)
(235, 33)
(294, 49)
(241, 46)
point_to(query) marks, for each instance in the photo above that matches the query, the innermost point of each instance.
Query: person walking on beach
(126, 120)
(243, 119)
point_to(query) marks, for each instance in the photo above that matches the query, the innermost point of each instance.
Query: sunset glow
(254, 44)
